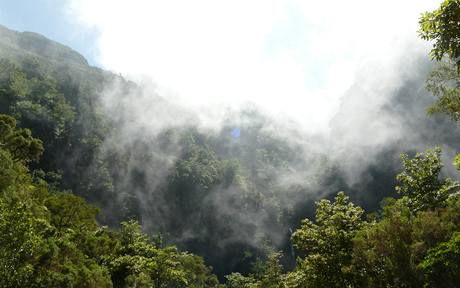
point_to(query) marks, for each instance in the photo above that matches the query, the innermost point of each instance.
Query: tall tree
(421, 181)
(443, 27)
(327, 243)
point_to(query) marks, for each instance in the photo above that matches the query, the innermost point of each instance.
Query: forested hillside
(96, 194)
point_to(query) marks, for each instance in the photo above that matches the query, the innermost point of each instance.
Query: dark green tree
(441, 266)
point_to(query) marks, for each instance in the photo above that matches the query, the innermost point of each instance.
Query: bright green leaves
(53, 240)
(268, 274)
(198, 273)
(138, 262)
(421, 183)
(420, 180)
(236, 280)
(327, 243)
(21, 244)
(17, 148)
(71, 212)
(18, 142)
(339, 249)
(336, 223)
(443, 27)
(40, 233)
(11, 172)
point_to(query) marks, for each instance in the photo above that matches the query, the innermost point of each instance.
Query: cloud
(352, 70)
(291, 58)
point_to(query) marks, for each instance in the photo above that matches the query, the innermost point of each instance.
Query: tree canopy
(79, 210)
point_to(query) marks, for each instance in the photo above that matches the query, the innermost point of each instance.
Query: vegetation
(50, 236)
(52, 239)
(443, 26)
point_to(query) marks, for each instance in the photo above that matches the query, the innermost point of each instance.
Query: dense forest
(93, 195)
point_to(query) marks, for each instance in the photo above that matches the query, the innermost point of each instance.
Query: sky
(292, 58)
(51, 19)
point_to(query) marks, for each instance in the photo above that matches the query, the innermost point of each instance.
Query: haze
(290, 58)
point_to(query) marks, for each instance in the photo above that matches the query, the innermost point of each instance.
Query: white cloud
(292, 58)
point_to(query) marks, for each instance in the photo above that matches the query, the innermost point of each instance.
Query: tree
(381, 251)
(421, 183)
(21, 244)
(71, 212)
(444, 83)
(18, 142)
(443, 27)
(442, 264)
(267, 274)
(139, 262)
(388, 251)
(327, 244)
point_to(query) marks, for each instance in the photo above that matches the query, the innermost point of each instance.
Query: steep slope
(224, 193)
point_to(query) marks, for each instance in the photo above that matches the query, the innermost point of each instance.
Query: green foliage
(443, 27)
(138, 262)
(444, 83)
(32, 95)
(271, 274)
(327, 243)
(267, 274)
(52, 239)
(57, 96)
(236, 280)
(441, 266)
(198, 273)
(18, 142)
(420, 181)
(70, 212)
(21, 244)
(199, 167)
(388, 253)
(381, 254)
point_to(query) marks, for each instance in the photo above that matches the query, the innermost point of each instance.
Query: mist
(338, 86)
(290, 58)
